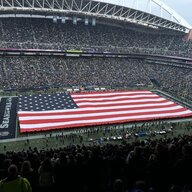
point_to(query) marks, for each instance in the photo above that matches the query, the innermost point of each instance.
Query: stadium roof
(147, 5)
(145, 12)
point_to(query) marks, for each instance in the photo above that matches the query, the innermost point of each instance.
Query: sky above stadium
(183, 7)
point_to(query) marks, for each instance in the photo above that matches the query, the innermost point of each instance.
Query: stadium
(95, 95)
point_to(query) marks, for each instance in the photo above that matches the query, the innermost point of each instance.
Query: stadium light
(74, 20)
(54, 19)
(86, 21)
(63, 20)
(93, 21)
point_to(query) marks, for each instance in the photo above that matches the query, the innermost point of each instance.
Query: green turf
(84, 138)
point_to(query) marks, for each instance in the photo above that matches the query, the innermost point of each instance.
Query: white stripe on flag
(120, 102)
(92, 114)
(110, 94)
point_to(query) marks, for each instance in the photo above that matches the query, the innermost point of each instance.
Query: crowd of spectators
(31, 72)
(150, 165)
(40, 72)
(173, 79)
(44, 34)
(35, 72)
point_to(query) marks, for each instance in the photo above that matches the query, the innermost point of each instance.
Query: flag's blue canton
(46, 102)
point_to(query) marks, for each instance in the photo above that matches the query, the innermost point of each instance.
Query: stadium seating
(41, 72)
(43, 33)
(25, 73)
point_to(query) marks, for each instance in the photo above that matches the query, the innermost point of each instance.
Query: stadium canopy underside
(110, 9)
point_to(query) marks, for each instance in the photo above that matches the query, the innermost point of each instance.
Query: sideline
(83, 130)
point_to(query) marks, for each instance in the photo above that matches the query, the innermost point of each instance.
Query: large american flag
(65, 110)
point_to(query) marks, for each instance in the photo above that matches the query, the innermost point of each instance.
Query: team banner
(65, 110)
(8, 111)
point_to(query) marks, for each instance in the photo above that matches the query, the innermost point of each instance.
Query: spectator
(28, 173)
(4, 169)
(183, 167)
(118, 186)
(14, 182)
(46, 176)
